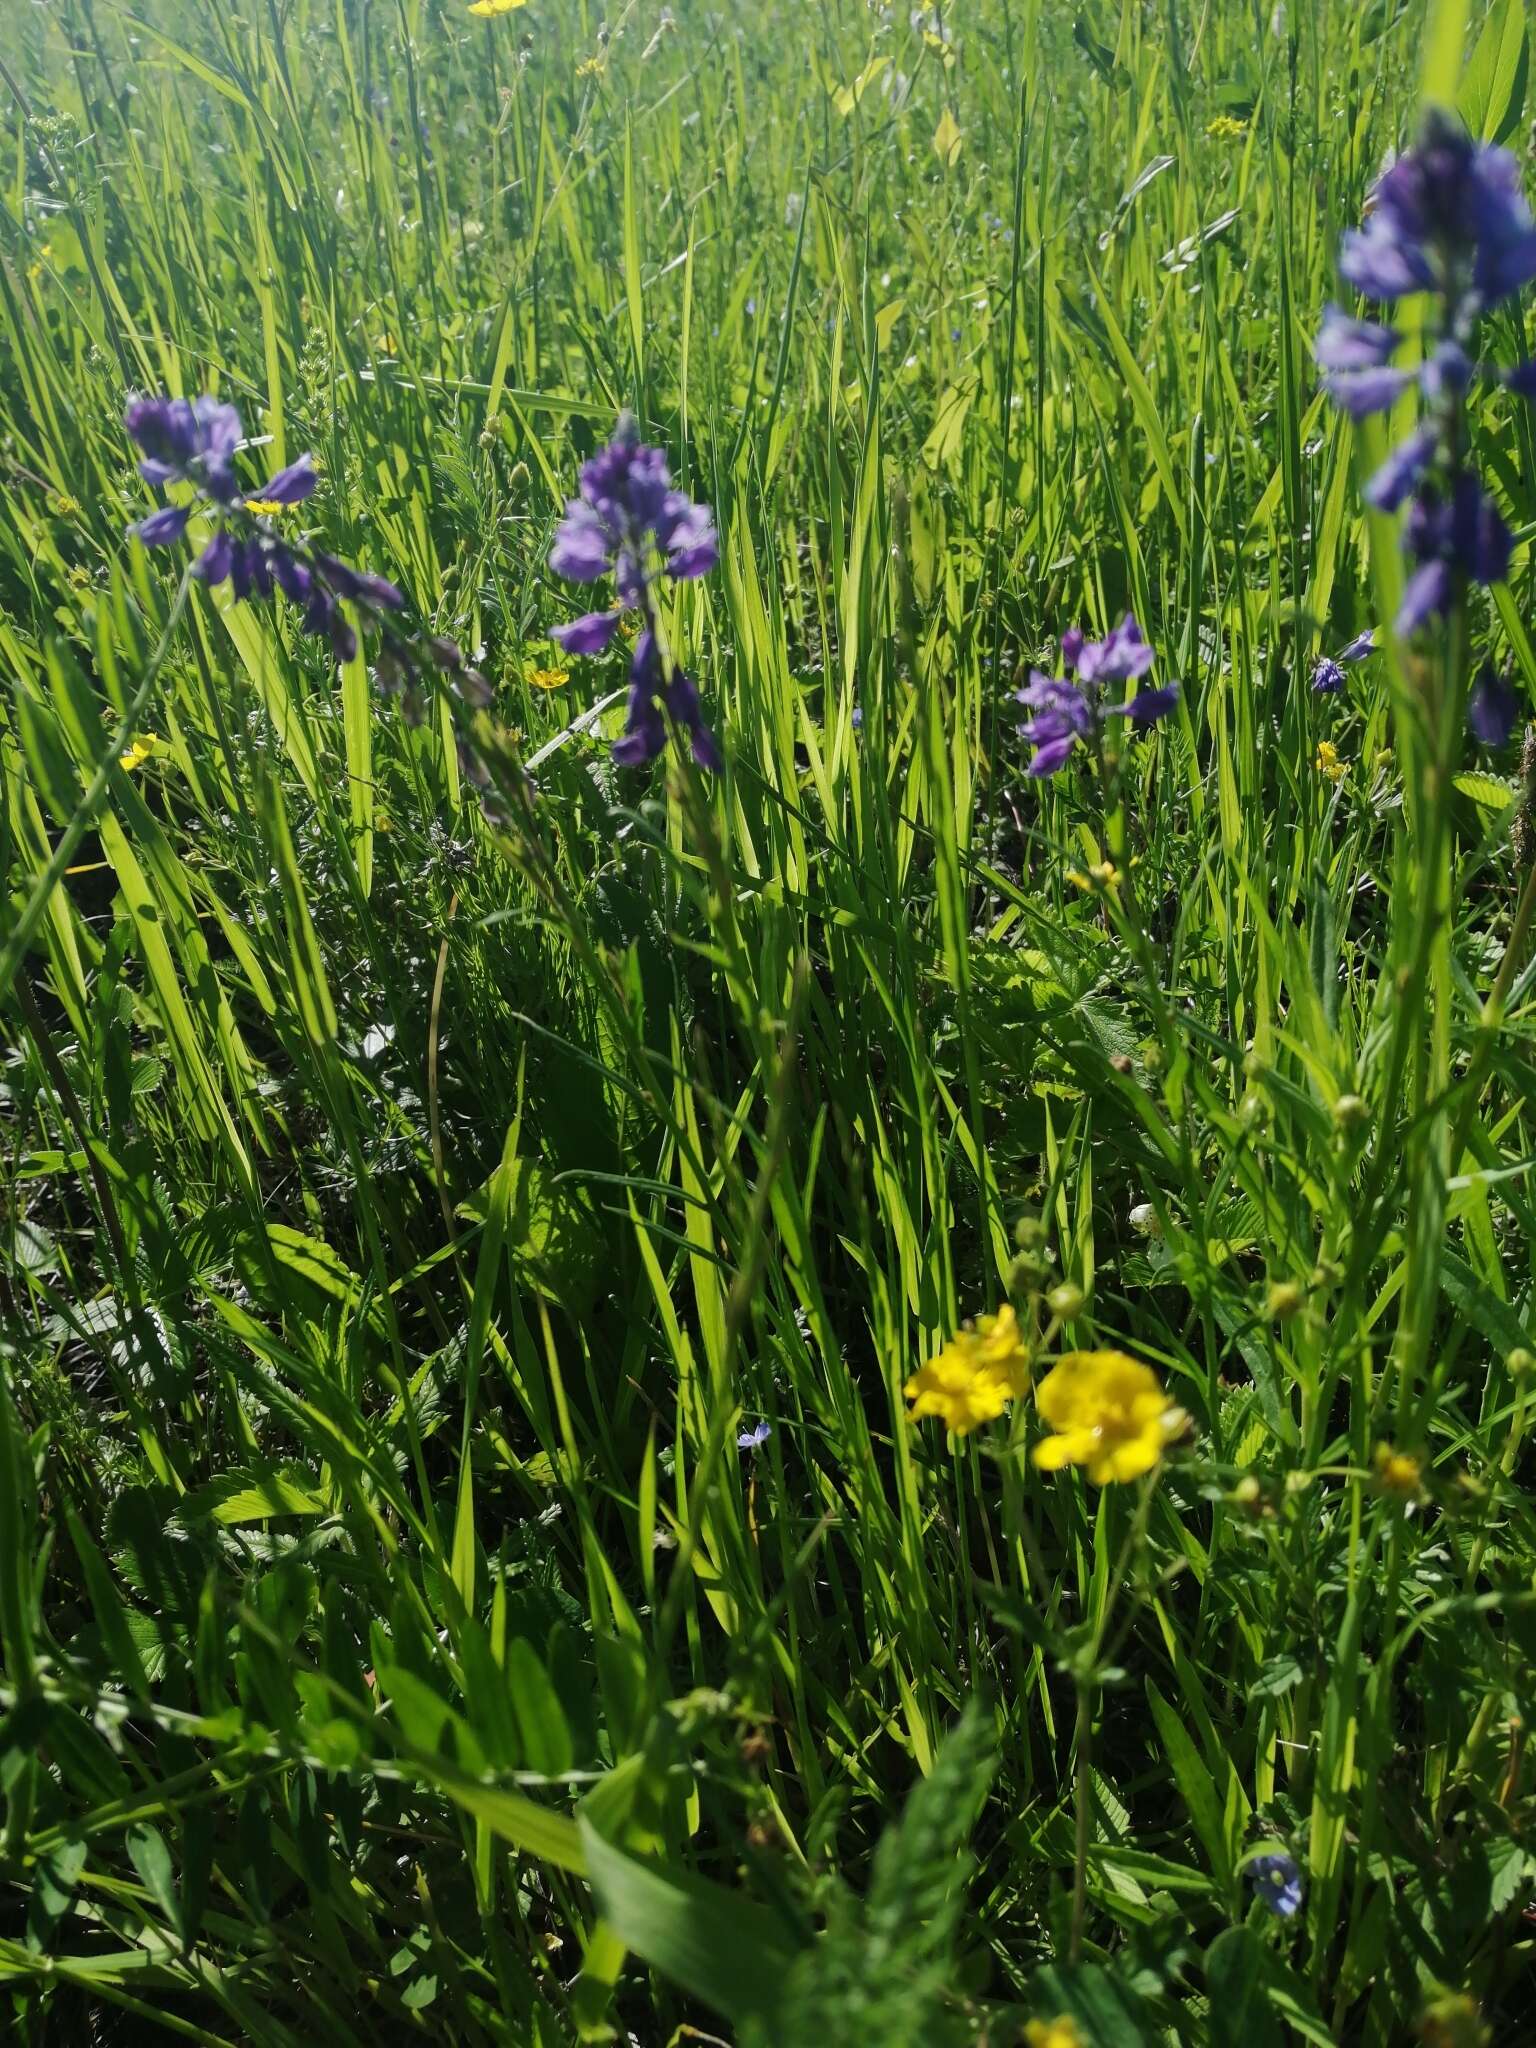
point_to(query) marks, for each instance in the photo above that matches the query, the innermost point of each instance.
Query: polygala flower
(195, 444)
(1328, 675)
(1449, 219)
(1276, 1878)
(1066, 713)
(982, 1368)
(630, 524)
(1107, 1411)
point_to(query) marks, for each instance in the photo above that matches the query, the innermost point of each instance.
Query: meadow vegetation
(747, 1324)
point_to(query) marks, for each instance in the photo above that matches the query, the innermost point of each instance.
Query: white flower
(1144, 1220)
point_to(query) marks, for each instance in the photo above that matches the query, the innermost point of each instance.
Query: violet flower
(1492, 707)
(1328, 673)
(629, 523)
(195, 442)
(1067, 713)
(1448, 218)
(1276, 1879)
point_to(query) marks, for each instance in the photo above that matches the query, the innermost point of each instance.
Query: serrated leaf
(251, 1493)
(1490, 791)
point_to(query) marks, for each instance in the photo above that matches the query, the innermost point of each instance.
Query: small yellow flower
(1226, 129)
(975, 1376)
(1057, 2033)
(138, 752)
(1103, 875)
(488, 9)
(1109, 1412)
(1398, 1472)
(34, 271)
(66, 506)
(1328, 762)
(267, 508)
(592, 67)
(549, 678)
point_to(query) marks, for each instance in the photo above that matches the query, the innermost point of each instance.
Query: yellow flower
(1226, 129)
(975, 1376)
(1109, 1413)
(1105, 875)
(34, 271)
(1398, 1472)
(1328, 762)
(139, 752)
(486, 9)
(548, 678)
(1057, 2033)
(268, 508)
(592, 67)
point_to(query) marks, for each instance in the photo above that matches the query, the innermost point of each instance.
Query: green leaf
(724, 1949)
(250, 1493)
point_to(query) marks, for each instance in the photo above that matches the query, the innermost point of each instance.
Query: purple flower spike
(590, 634)
(1277, 1881)
(1119, 658)
(1072, 647)
(1327, 677)
(629, 523)
(164, 526)
(1493, 707)
(1362, 392)
(1346, 344)
(291, 486)
(1522, 378)
(213, 564)
(1147, 707)
(1401, 471)
(1358, 648)
(1426, 595)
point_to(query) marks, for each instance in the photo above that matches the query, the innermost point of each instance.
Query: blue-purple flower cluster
(1069, 713)
(195, 442)
(1328, 675)
(629, 523)
(1449, 218)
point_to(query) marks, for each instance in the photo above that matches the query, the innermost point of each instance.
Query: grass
(404, 1215)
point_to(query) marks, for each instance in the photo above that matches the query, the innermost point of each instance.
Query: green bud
(1284, 1300)
(1066, 1301)
(1350, 1111)
(1029, 1233)
(1521, 1362)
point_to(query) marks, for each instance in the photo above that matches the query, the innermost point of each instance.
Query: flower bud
(1029, 1234)
(1283, 1301)
(1066, 1301)
(1350, 1111)
(1144, 1220)
(1521, 1362)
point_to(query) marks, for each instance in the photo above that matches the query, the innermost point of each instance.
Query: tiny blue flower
(751, 1439)
(1277, 1880)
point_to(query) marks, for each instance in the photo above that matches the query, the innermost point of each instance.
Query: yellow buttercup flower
(138, 752)
(267, 508)
(1328, 762)
(980, 1370)
(1398, 1472)
(548, 678)
(1103, 875)
(1109, 1412)
(592, 67)
(486, 9)
(1057, 2033)
(1225, 129)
